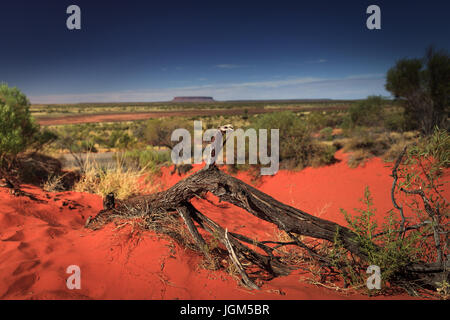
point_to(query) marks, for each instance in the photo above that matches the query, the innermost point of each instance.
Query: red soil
(40, 240)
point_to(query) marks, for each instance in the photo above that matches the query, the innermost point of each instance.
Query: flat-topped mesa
(193, 99)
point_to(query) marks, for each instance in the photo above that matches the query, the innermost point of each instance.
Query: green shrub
(423, 88)
(395, 120)
(327, 133)
(323, 119)
(297, 148)
(149, 159)
(113, 138)
(324, 154)
(87, 146)
(245, 116)
(158, 132)
(18, 130)
(368, 112)
(421, 181)
(382, 246)
(118, 139)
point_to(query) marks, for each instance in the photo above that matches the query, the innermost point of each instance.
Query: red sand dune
(40, 240)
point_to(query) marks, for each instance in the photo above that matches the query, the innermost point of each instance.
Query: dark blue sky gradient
(152, 51)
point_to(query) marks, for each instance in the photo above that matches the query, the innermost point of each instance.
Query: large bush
(297, 147)
(17, 128)
(158, 132)
(368, 112)
(423, 85)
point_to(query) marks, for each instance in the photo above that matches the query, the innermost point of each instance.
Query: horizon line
(209, 102)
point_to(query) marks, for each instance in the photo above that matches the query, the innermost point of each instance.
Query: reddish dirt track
(38, 241)
(134, 116)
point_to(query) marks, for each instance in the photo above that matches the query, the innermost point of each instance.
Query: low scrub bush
(297, 148)
(158, 132)
(327, 133)
(394, 120)
(149, 159)
(368, 112)
(383, 246)
(422, 237)
(364, 143)
(323, 119)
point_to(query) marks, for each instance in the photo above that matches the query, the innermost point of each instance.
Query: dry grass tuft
(123, 182)
(366, 143)
(54, 184)
(358, 158)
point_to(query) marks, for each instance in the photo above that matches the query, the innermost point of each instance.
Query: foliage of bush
(368, 112)
(18, 130)
(394, 120)
(158, 132)
(421, 176)
(364, 143)
(425, 168)
(297, 148)
(90, 137)
(423, 86)
(149, 159)
(118, 139)
(383, 246)
(322, 119)
(327, 133)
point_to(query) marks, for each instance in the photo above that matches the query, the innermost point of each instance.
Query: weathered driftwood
(293, 221)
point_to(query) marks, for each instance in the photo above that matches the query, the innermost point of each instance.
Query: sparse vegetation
(365, 143)
(149, 159)
(374, 127)
(369, 112)
(415, 231)
(383, 246)
(158, 132)
(54, 183)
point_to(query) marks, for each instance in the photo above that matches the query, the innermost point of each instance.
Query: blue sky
(153, 51)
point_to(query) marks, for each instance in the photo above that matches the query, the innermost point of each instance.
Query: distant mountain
(193, 99)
